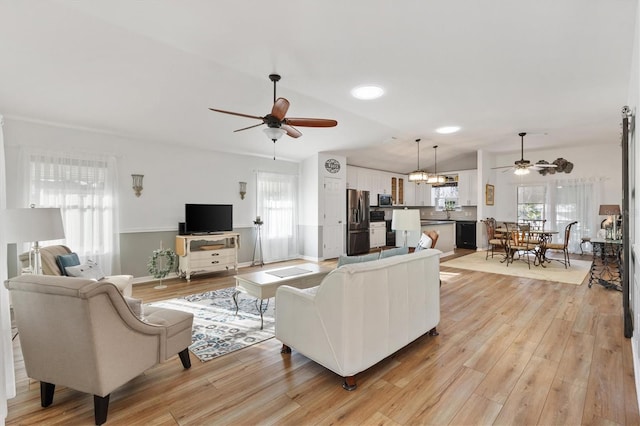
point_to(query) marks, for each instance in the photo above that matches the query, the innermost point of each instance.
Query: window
(277, 206)
(531, 202)
(445, 197)
(83, 187)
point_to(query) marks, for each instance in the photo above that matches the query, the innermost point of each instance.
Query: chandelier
(435, 177)
(418, 176)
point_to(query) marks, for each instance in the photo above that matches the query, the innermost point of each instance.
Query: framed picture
(489, 195)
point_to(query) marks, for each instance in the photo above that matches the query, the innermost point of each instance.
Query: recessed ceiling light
(447, 129)
(367, 92)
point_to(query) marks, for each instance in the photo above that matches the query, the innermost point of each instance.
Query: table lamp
(611, 210)
(405, 220)
(32, 225)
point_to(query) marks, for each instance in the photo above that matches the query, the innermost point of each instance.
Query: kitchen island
(446, 230)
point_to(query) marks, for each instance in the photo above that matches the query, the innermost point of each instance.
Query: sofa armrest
(300, 325)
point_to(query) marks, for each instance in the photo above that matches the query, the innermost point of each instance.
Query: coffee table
(263, 284)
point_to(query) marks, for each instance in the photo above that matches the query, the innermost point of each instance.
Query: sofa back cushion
(347, 260)
(393, 252)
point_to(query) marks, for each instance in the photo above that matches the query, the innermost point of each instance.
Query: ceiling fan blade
(546, 165)
(250, 127)
(237, 113)
(291, 131)
(280, 108)
(310, 122)
(502, 167)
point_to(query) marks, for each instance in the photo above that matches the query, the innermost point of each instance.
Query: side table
(606, 266)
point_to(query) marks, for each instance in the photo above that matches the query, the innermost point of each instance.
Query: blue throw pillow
(345, 260)
(393, 252)
(64, 260)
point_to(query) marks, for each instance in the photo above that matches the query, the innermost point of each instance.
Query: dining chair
(564, 246)
(519, 242)
(493, 241)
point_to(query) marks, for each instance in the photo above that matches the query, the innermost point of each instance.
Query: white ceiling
(150, 69)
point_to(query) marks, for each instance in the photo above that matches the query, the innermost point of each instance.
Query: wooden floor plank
(582, 371)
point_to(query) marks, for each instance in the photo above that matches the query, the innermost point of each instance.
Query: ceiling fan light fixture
(446, 130)
(367, 92)
(274, 133)
(521, 171)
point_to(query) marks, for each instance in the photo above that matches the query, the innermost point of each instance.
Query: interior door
(333, 229)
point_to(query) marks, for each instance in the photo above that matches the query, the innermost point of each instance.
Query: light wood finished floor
(511, 351)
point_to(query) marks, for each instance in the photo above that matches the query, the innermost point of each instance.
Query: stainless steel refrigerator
(357, 222)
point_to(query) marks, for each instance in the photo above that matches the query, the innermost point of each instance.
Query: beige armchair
(81, 334)
(50, 266)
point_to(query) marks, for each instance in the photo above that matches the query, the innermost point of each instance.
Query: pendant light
(418, 176)
(435, 178)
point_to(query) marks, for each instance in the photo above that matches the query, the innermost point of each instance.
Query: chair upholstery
(81, 334)
(48, 256)
(564, 246)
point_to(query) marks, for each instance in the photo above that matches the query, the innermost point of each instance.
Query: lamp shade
(31, 224)
(405, 220)
(609, 210)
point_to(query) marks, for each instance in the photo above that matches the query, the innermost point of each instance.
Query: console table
(606, 267)
(207, 253)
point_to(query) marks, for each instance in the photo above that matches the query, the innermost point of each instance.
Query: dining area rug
(217, 329)
(554, 271)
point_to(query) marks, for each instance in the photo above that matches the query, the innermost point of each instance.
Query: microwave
(384, 200)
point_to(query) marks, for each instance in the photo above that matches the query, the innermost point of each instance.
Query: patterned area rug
(554, 271)
(217, 330)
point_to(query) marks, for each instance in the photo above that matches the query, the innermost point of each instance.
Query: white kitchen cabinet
(377, 234)
(468, 187)
(423, 194)
(352, 177)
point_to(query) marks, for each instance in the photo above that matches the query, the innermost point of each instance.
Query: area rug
(554, 271)
(217, 329)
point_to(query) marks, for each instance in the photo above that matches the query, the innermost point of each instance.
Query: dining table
(541, 237)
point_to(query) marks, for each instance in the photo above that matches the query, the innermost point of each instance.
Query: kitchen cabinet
(377, 234)
(468, 188)
(422, 195)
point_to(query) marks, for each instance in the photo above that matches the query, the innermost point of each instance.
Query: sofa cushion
(89, 270)
(65, 260)
(135, 305)
(393, 252)
(345, 260)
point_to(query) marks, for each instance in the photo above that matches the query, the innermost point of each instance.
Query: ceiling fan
(277, 122)
(522, 166)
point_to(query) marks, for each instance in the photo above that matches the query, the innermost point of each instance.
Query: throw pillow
(424, 243)
(65, 260)
(89, 270)
(345, 260)
(135, 305)
(393, 252)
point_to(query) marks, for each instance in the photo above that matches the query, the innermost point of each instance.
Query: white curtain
(278, 208)
(6, 348)
(84, 187)
(575, 200)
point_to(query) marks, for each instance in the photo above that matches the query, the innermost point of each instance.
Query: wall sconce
(137, 184)
(243, 189)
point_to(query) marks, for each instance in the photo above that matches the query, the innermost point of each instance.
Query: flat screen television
(208, 218)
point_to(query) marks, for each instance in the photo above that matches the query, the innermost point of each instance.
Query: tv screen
(208, 218)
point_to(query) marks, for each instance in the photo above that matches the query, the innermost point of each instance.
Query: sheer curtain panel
(278, 208)
(84, 187)
(7, 375)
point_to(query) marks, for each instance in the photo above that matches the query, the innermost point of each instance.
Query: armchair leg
(285, 349)
(46, 393)
(184, 357)
(100, 408)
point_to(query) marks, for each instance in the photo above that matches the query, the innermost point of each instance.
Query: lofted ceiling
(150, 70)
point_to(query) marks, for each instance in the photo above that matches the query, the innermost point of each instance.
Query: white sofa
(361, 313)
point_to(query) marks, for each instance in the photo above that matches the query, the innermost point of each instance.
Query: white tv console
(207, 253)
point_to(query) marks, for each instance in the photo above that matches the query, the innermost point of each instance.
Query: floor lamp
(32, 225)
(405, 220)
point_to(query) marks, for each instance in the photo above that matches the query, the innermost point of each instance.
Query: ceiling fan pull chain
(274, 150)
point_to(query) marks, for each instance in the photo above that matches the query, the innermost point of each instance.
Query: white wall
(599, 162)
(173, 175)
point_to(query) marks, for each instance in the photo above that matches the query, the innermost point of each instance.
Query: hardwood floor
(510, 351)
